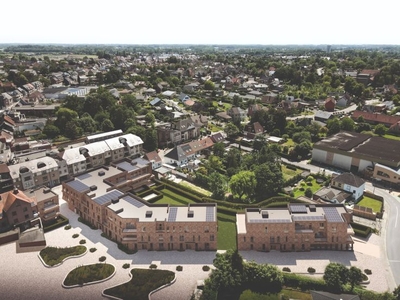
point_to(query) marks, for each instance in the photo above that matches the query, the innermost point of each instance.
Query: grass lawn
(392, 137)
(173, 198)
(53, 255)
(372, 203)
(143, 281)
(289, 173)
(314, 187)
(196, 188)
(226, 232)
(291, 294)
(89, 273)
(214, 128)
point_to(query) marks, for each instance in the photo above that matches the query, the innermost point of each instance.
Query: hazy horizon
(178, 22)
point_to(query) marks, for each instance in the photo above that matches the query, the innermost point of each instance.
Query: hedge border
(57, 225)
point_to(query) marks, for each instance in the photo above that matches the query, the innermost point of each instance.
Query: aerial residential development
(197, 168)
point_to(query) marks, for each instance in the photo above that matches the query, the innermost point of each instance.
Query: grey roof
(332, 215)
(350, 179)
(323, 114)
(176, 154)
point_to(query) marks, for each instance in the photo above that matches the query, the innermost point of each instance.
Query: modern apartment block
(47, 203)
(102, 198)
(299, 227)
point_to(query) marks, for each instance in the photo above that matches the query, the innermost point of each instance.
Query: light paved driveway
(23, 276)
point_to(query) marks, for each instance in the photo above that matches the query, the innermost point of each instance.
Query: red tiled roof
(8, 199)
(9, 120)
(374, 117)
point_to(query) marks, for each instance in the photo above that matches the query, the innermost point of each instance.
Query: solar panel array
(308, 218)
(172, 214)
(270, 221)
(113, 195)
(210, 213)
(78, 186)
(133, 201)
(332, 215)
(298, 208)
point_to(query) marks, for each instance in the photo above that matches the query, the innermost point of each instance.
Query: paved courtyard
(24, 276)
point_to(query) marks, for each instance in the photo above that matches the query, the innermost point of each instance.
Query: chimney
(15, 191)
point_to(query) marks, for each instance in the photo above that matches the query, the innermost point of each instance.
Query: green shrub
(310, 270)
(92, 250)
(179, 268)
(303, 282)
(75, 235)
(301, 189)
(206, 268)
(102, 258)
(364, 277)
(87, 223)
(56, 223)
(82, 241)
(90, 273)
(286, 269)
(153, 266)
(68, 227)
(53, 255)
(309, 178)
(126, 265)
(368, 271)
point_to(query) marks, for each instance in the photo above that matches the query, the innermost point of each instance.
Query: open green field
(372, 203)
(226, 223)
(314, 187)
(290, 294)
(289, 173)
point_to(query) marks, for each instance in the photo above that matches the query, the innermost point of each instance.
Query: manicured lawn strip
(374, 204)
(90, 273)
(392, 137)
(314, 187)
(173, 198)
(289, 173)
(226, 232)
(291, 294)
(53, 255)
(143, 281)
(196, 188)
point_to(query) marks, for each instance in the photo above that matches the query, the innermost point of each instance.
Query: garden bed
(141, 284)
(89, 274)
(52, 256)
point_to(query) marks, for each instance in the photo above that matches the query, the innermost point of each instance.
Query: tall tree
(335, 276)
(217, 185)
(355, 276)
(243, 183)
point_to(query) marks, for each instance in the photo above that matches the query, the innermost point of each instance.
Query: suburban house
(183, 97)
(323, 116)
(330, 104)
(350, 183)
(356, 152)
(16, 209)
(154, 158)
(237, 114)
(299, 227)
(343, 100)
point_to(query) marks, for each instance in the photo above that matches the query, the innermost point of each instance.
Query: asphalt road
(392, 228)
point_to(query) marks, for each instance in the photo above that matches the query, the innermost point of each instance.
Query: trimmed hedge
(184, 188)
(57, 223)
(361, 230)
(303, 282)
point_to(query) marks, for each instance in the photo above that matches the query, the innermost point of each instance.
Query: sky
(266, 22)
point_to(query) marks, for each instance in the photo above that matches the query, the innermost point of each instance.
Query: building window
(25, 209)
(272, 240)
(244, 239)
(321, 225)
(14, 213)
(26, 217)
(266, 229)
(212, 238)
(181, 238)
(251, 239)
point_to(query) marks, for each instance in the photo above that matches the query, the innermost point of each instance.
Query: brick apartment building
(299, 227)
(102, 198)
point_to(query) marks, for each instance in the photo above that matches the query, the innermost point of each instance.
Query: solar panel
(172, 214)
(298, 208)
(332, 215)
(210, 213)
(126, 166)
(133, 201)
(270, 221)
(78, 186)
(308, 218)
(114, 194)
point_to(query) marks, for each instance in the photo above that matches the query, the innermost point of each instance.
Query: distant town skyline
(206, 22)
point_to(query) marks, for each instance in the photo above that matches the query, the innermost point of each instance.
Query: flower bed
(89, 274)
(52, 256)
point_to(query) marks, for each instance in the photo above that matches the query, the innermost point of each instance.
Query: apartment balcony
(49, 216)
(129, 230)
(301, 229)
(129, 238)
(320, 239)
(49, 207)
